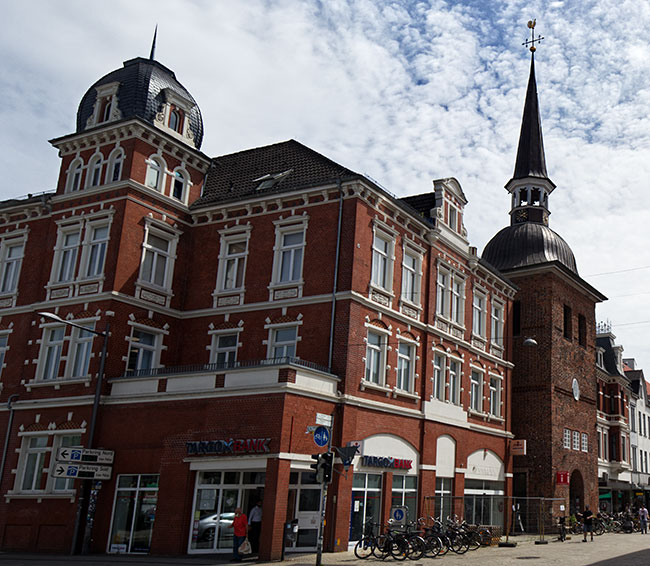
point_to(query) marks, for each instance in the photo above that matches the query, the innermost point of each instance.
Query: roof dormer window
(106, 108)
(175, 120)
(106, 111)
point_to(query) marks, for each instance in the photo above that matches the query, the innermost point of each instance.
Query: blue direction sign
(321, 436)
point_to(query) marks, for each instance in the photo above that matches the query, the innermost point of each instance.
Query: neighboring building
(246, 294)
(554, 384)
(639, 432)
(613, 425)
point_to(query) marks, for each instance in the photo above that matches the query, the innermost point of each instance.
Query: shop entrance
(305, 499)
(576, 493)
(366, 503)
(217, 495)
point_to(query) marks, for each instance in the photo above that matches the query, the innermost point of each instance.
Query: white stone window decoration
(289, 252)
(411, 276)
(576, 440)
(405, 366)
(232, 261)
(158, 257)
(282, 342)
(11, 259)
(567, 439)
(115, 165)
(144, 350)
(155, 175)
(106, 107)
(479, 314)
(94, 174)
(450, 296)
(476, 391)
(180, 184)
(223, 350)
(75, 170)
(174, 116)
(383, 246)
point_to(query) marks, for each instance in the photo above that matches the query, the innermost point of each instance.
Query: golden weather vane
(533, 40)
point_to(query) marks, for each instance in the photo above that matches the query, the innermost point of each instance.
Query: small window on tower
(535, 196)
(106, 109)
(567, 322)
(175, 120)
(582, 330)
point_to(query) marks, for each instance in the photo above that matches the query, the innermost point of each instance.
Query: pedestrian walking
(643, 519)
(587, 524)
(240, 529)
(255, 526)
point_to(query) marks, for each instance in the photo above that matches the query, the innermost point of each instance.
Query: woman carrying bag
(240, 544)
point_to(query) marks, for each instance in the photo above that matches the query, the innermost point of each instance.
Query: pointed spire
(153, 44)
(530, 153)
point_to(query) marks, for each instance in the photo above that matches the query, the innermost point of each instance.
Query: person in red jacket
(240, 529)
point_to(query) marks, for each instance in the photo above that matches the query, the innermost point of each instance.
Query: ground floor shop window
(366, 502)
(305, 499)
(484, 502)
(443, 500)
(217, 495)
(134, 512)
(405, 493)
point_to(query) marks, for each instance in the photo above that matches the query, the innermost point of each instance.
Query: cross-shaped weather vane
(532, 41)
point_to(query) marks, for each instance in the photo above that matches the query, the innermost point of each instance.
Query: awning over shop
(607, 495)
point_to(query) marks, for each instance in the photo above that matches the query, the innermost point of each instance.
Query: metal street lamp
(85, 487)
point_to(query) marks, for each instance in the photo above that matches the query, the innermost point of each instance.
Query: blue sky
(404, 92)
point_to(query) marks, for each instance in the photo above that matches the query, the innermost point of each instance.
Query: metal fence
(512, 516)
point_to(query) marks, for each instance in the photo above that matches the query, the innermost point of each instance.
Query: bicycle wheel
(433, 546)
(364, 547)
(473, 539)
(444, 545)
(399, 548)
(417, 547)
(381, 547)
(459, 544)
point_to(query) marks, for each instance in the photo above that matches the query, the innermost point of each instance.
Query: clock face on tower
(521, 216)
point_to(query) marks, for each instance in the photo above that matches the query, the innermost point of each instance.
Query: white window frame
(605, 445)
(155, 164)
(476, 390)
(450, 296)
(180, 174)
(576, 440)
(439, 375)
(237, 259)
(94, 249)
(94, 171)
(36, 464)
(171, 236)
(74, 175)
(452, 217)
(285, 227)
(584, 442)
(51, 353)
(378, 352)
(406, 365)
(4, 348)
(479, 313)
(455, 380)
(566, 439)
(285, 348)
(383, 258)
(411, 276)
(115, 159)
(66, 255)
(496, 387)
(81, 344)
(62, 485)
(217, 349)
(138, 346)
(497, 323)
(10, 266)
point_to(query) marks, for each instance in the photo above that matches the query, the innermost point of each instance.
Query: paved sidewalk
(606, 550)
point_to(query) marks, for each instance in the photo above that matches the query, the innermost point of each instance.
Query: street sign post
(322, 436)
(85, 455)
(82, 471)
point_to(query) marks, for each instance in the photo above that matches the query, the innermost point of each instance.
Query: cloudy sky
(402, 91)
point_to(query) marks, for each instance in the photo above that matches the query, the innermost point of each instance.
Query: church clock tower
(554, 383)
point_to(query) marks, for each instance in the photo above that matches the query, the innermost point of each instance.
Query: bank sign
(230, 446)
(386, 462)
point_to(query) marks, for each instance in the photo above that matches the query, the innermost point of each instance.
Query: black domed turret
(143, 87)
(528, 244)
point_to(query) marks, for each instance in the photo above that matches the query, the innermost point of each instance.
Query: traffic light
(317, 467)
(327, 463)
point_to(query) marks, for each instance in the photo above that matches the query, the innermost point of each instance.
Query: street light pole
(86, 485)
(10, 407)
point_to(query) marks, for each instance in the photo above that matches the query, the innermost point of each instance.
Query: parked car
(208, 526)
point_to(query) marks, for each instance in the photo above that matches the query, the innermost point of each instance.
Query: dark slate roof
(609, 357)
(526, 245)
(530, 153)
(140, 94)
(635, 377)
(422, 203)
(237, 176)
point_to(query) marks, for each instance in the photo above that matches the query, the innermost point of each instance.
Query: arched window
(74, 176)
(175, 119)
(114, 169)
(95, 171)
(155, 170)
(178, 187)
(106, 110)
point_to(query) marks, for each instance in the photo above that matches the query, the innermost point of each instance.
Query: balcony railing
(222, 367)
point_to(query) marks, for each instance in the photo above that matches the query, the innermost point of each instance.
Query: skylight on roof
(270, 179)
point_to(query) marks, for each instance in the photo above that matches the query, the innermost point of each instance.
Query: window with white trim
(11, 259)
(50, 355)
(80, 351)
(605, 446)
(179, 185)
(476, 391)
(439, 377)
(155, 173)
(289, 252)
(566, 439)
(158, 255)
(115, 164)
(453, 218)
(623, 447)
(175, 120)
(495, 396)
(411, 276)
(454, 382)
(479, 312)
(4, 346)
(496, 334)
(63, 441)
(94, 175)
(74, 176)
(450, 296)
(405, 366)
(576, 440)
(144, 350)
(223, 350)
(383, 245)
(66, 257)
(283, 342)
(94, 252)
(585, 442)
(232, 262)
(442, 300)
(375, 358)
(32, 463)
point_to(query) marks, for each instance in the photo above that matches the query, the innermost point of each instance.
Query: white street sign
(82, 471)
(323, 419)
(90, 456)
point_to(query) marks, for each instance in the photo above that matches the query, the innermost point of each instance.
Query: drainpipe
(336, 275)
(10, 403)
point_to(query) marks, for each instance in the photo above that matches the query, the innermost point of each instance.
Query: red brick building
(246, 294)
